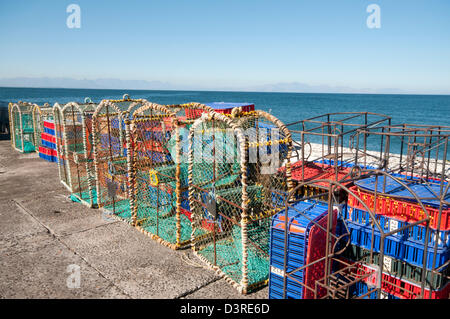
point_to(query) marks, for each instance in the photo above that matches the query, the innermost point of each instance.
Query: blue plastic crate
(415, 234)
(49, 158)
(49, 131)
(49, 144)
(297, 241)
(294, 289)
(406, 250)
(361, 288)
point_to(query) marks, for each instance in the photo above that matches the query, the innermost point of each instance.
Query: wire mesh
(111, 155)
(413, 150)
(61, 147)
(11, 125)
(22, 128)
(234, 188)
(324, 148)
(40, 114)
(158, 137)
(73, 129)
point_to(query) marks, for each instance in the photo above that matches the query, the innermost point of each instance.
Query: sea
(288, 107)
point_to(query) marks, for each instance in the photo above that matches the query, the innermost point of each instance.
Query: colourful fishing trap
(110, 155)
(73, 127)
(158, 140)
(42, 114)
(22, 127)
(234, 189)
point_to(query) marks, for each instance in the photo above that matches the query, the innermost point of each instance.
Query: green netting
(156, 204)
(28, 147)
(23, 127)
(219, 204)
(165, 227)
(85, 196)
(73, 127)
(41, 114)
(228, 254)
(111, 166)
(120, 208)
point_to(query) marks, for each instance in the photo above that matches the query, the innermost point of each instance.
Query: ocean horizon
(288, 107)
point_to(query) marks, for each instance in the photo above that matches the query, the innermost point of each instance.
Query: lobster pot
(10, 121)
(233, 194)
(154, 171)
(110, 155)
(269, 148)
(60, 146)
(22, 128)
(40, 115)
(74, 161)
(159, 137)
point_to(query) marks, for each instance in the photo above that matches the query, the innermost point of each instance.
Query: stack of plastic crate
(404, 252)
(305, 243)
(47, 150)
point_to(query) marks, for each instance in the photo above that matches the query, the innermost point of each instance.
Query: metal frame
(334, 129)
(421, 143)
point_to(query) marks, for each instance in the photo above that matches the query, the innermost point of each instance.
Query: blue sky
(217, 44)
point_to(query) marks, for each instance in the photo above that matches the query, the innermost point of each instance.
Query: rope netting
(22, 128)
(60, 146)
(110, 155)
(11, 125)
(40, 114)
(235, 186)
(158, 138)
(73, 125)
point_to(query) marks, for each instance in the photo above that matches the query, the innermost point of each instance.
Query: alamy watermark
(374, 19)
(74, 279)
(74, 18)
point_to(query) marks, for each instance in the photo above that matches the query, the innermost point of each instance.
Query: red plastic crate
(47, 151)
(314, 171)
(402, 288)
(48, 137)
(316, 250)
(49, 124)
(398, 209)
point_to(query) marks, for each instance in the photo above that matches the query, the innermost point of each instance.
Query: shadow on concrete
(4, 136)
